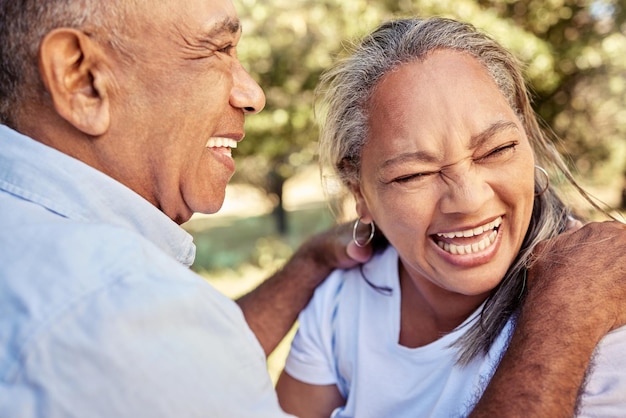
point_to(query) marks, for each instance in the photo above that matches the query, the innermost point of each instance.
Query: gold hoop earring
(368, 240)
(547, 176)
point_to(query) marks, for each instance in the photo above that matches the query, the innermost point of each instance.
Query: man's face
(179, 105)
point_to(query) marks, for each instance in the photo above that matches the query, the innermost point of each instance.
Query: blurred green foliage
(574, 53)
(232, 243)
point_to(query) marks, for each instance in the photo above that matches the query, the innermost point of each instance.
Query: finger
(573, 224)
(359, 254)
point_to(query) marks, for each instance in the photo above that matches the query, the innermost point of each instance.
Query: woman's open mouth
(469, 241)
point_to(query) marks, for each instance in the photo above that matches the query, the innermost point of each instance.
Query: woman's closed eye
(413, 177)
(498, 153)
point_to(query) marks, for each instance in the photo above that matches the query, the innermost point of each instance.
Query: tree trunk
(276, 184)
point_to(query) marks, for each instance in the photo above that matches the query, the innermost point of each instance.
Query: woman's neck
(428, 312)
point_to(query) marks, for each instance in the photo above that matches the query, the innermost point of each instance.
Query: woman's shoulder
(381, 270)
(604, 392)
(379, 276)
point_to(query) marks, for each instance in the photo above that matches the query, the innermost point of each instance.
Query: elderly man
(118, 120)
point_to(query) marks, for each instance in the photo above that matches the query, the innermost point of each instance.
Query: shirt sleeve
(604, 394)
(311, 358)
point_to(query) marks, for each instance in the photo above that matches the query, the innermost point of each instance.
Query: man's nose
(246, 94)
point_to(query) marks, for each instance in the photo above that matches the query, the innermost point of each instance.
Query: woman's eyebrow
(475, 141)
(409, 157)
(495, 128)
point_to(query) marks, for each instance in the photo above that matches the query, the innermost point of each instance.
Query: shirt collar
(75, 190)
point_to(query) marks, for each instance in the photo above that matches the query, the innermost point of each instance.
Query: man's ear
(71, 67)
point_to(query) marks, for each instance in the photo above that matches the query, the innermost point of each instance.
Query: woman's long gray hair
(346, 90)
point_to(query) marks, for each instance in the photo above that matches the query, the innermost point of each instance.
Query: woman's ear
(348, 165)
(71, 66)
(362, 209)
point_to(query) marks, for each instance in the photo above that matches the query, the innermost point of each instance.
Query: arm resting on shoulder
(577, 290)
(273, 307)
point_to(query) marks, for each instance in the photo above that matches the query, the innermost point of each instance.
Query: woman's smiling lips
(469, 241)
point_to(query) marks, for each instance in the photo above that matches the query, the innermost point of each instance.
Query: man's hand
(336, 249)
(272, 308)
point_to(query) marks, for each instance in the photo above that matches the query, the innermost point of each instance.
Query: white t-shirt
(349, 333)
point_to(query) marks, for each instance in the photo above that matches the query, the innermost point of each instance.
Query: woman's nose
(465, 192)
(246, 94)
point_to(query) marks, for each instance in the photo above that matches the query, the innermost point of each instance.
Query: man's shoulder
(54, 270)
(104, 320)
(71, 248)
(72, 258)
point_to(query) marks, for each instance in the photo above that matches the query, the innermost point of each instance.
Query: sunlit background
(574, 54)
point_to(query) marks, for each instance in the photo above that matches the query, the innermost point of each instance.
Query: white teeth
(219, 142)
(472, 232)
(470, 248)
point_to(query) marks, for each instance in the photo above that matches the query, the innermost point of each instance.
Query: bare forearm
(577, 289)
(542, 372)
(272, 308)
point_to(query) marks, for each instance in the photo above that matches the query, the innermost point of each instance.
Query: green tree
(574, 51)
(288, 43)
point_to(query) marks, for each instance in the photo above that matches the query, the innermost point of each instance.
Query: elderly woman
(430, 127)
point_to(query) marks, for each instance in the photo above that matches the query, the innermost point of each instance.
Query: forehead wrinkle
(475, 142)
(211, 36)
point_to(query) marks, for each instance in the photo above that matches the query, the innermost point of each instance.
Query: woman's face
(447, 173)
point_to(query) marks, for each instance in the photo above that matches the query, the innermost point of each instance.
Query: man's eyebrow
(228, 24)
(213, 35)
(492, 130)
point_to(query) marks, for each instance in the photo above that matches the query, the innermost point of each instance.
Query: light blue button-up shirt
(100, 315)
